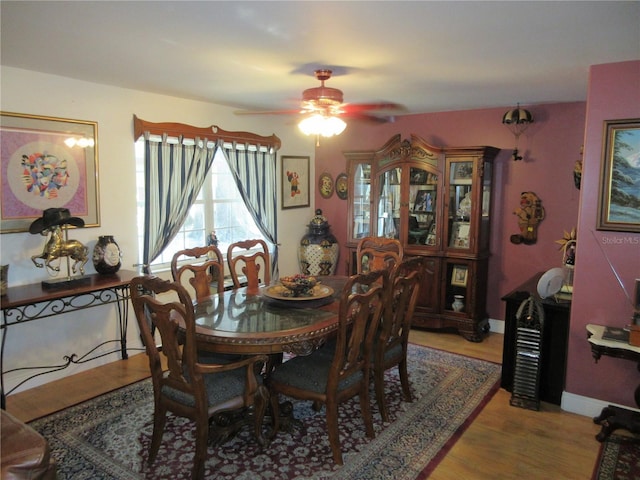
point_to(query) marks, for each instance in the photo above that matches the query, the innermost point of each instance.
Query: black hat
(55, 216)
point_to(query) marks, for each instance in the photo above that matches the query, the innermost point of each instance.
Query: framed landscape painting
(47, 162)
(619, 199)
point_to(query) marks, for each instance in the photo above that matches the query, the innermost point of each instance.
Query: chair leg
(365, 407)
(202, 435)
(378, 377)
(260, 402)
(404, 380)
(159, 420)
(275, 413)
(332, 427)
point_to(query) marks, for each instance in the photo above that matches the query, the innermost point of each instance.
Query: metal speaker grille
(528, 352)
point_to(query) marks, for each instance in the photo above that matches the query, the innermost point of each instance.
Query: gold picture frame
(619, 202)
(47, 162)
(459, 275)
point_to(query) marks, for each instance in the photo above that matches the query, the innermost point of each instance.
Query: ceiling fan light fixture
(325, 126)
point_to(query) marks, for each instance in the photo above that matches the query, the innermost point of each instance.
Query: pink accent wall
(550, 148)
(614, 93)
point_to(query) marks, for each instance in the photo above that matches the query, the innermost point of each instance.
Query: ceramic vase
(106, 255)
(318, 251)
(458, 303)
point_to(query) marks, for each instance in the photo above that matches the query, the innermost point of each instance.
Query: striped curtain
(174, 173)
(254, 169)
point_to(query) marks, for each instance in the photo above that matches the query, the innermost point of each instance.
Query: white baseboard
(496, 326)
(589, 407)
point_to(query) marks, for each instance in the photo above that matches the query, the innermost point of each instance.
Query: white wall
(46, 341)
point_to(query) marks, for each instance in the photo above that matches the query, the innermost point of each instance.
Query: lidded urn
(319, 249)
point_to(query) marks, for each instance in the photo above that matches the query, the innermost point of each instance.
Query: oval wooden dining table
(249, 323)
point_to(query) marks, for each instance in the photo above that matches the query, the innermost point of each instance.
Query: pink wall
(551, 147)
(614, 93)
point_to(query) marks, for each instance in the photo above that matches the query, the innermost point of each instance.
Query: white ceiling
(426, 55)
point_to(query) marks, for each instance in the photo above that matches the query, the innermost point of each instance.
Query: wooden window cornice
(212, 133)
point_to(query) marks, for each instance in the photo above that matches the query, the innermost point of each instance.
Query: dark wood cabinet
(437, 202)
(555, 337)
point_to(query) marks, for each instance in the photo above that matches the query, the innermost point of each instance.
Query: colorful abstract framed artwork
(619, 199)
(47, 162)
(295, 182)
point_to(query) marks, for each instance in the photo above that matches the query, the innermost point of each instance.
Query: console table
(555, 338)
(612, 417)
(27, 303)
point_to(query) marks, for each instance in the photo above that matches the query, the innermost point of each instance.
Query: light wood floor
(503, 442)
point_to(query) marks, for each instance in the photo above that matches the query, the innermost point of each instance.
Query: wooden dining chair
(375, 253)
(254, 265)
(197, 268)
(390, 347)
(188, 388)
(333, 379)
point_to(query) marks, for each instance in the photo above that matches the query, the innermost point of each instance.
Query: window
(219, 207)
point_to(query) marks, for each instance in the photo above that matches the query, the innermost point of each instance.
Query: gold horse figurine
(57, 247)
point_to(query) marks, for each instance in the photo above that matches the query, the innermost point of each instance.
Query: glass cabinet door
(388, 208)
(423, 197)
(460, 204)
(361, 214)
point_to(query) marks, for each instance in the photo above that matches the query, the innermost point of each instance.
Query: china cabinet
(437, 202)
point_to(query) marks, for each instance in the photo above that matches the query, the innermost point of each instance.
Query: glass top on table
(239, 312)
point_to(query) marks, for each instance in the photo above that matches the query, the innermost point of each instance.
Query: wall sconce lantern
(517, 120)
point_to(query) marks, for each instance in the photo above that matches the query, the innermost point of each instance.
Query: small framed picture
(461, 172)
(431, 236)
(459, 276)
(295, 182)
(423, 202)
(460, 235)
(418, 176)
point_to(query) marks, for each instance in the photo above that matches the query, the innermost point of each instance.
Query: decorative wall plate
(551, 282)
(342, 186)
(325, 185)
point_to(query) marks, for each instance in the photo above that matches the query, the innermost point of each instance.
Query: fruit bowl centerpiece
(298, 285)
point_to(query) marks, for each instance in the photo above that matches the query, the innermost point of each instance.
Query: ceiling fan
(328, 103)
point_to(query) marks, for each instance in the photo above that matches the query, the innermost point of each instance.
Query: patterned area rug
(619, 459)
(108, 437)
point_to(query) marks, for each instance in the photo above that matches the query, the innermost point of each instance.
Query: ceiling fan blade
(362, 107)
(369, 118)
(268, 112)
